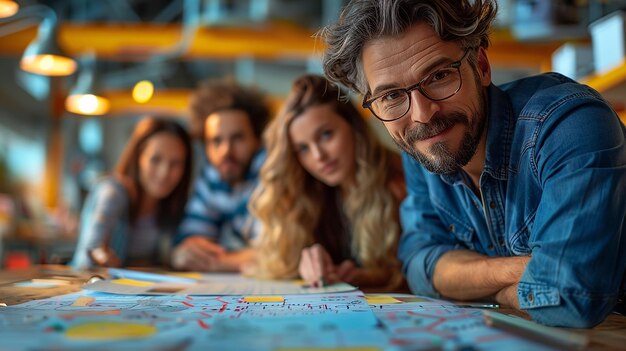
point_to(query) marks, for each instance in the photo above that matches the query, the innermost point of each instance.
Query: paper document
(142, 283)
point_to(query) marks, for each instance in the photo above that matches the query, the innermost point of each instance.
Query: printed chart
(339, 321)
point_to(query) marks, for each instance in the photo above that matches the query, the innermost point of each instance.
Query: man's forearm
(467, 275)
(234, 261)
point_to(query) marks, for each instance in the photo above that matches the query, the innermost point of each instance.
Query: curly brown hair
(225, 94)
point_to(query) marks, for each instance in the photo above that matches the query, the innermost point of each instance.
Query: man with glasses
(516, 193)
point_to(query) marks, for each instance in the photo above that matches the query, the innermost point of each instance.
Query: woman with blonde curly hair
(329, 194)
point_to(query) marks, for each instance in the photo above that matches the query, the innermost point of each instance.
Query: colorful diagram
(343, 321)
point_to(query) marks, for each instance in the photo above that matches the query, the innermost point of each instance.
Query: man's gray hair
(464, 21)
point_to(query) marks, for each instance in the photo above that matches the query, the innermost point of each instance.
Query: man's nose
(227, 148)
(422, 108)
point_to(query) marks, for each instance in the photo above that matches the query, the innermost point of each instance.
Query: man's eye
(392, 96)
(441, 75)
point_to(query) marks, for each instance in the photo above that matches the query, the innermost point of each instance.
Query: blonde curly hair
(293, 207)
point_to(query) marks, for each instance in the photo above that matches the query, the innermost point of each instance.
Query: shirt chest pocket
(519, 239)
(464, 233)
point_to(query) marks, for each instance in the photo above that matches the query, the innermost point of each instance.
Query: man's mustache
(436, 125)
(229, 159)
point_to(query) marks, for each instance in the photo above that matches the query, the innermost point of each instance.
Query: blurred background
(76, 76)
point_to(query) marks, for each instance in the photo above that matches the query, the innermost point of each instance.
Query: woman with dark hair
(130, 217)
(329, 193)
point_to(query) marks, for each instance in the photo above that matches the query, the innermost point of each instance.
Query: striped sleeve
(202, 217)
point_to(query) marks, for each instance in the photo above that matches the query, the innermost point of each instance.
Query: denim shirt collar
(500, 128)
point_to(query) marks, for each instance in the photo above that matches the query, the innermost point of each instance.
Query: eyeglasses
(439, 85)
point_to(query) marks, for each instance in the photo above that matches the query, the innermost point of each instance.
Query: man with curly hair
(216, 231)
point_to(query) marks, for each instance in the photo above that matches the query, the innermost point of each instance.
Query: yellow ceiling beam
(137, 41)
(608, 80)
(507, 52)
(164, 101)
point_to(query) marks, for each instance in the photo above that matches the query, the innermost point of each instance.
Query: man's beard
(235, 175)
(441, 160)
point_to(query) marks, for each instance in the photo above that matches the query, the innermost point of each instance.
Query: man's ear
(484, 68)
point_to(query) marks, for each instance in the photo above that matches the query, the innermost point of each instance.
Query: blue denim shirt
(553, 186)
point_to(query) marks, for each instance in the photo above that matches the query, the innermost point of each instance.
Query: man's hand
(104, 257)
(197, 253)
(508, 296)
(316, 266)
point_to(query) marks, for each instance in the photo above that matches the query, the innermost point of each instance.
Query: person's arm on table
(102, 213)
(235, 261)
(436, 263)
(467, 275)
(194, 245)
(197, 253)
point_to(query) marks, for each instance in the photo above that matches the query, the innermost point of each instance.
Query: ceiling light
(143, 91)
(8, 8)
(43, 55)
(84, 98)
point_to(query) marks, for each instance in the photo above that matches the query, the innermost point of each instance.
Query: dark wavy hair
(225, 94)
(170, 209)
(463, 21)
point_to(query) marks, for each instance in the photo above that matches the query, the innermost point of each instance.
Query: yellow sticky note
(190, 275)
(132, 282)
(381, 299)
(109, 330)
(264, 299)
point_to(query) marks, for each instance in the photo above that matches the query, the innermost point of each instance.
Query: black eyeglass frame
(456, 64)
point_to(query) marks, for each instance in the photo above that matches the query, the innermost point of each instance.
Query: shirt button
(502, 242)
(492, 204)
(530, 297)
(490, 247)
(451, 228)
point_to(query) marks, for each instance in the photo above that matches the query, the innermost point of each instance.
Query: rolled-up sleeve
(424, 238)
(105, 210)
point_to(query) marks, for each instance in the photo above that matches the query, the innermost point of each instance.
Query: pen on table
(531, 330)
(477, 305)
(94, 278)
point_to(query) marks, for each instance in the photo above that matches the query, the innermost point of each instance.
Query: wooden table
(12, 295)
